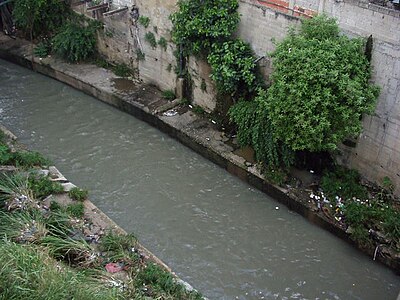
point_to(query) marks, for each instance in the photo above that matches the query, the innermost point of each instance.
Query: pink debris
(113, 267)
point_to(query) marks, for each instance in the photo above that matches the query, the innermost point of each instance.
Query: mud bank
(199, 133)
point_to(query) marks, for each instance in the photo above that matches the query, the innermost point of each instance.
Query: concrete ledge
(142, 101)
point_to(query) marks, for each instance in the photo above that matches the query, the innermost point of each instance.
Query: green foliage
(102, 63)
(151, 39)
(22, 227)
(43, 49)
(255, 129)
(163, 43)
(361, 210)
(168, 95)
(163, 284)
(5, 155)
(76, 210)
(232, 66)
(275, 175)
(320, 87)
(122, 70)
(39, 16)
(29, 159)
(28, 272)
(112, 242)
(198, 24)
(78, 194)
(198, 110)
(344, 183)
(15, 192)
(391, 223)
(145, 21)
(75, 41)
(42, 186)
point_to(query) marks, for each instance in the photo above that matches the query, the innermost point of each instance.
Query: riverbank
(44, 216)
(195, 131)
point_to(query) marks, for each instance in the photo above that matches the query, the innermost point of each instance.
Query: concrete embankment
(197, 132)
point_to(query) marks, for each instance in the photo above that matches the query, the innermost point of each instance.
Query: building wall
(377, 150)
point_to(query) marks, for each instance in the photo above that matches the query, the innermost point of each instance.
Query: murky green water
(224, 237)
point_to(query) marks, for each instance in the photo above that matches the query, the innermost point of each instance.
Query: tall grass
(15, 192)
(29, 273)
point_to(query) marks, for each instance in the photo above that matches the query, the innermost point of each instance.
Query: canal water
(227, 239)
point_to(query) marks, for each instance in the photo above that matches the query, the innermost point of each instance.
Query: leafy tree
(320, 87)
(233, 66)
(200, 23)
(37, 17)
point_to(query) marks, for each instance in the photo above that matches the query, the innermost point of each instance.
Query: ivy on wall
(232, 64)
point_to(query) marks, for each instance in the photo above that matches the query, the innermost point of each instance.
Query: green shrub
(78, 194)
(75, 42)
(320, 87)
(151, 39)
(145, 21)
(168, 95)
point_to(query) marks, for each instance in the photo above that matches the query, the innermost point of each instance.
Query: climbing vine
(255, 129)
(200, 23)
(232, 64)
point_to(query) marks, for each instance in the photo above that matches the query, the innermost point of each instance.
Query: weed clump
(78, 194)
(168, 95)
